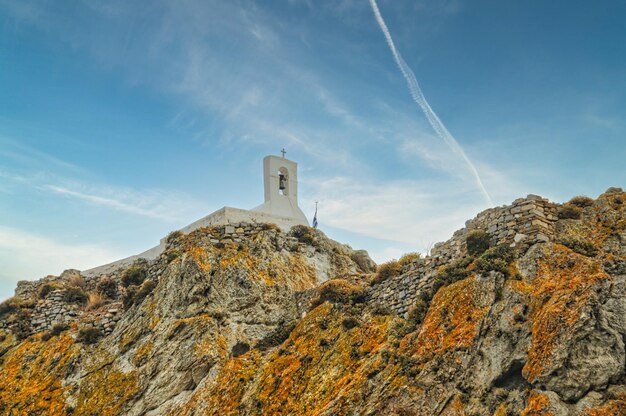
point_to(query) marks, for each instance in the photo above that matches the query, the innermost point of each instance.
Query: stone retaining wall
(53, 309)
(523, 223)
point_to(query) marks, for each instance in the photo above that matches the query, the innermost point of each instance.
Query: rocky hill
(522, 312)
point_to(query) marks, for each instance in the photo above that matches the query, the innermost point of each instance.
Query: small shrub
(269, 226)
(77, 280)
(95, 300)
(172, 254)
(495, 259)
(10, 306)
(409, 365)
(76, 295)
(451, 273)
(339, 291)
(580, 246)
(89, 335)
(107, 287)
(17, 313)
(386, 271)
(173, 237)
(46, 289)
(380, 309)
(136, 294)
(144, 290)
(569, 212)
(581, 201)
(304, 234)
(400, 328)
(409, 258)
(58, 328)
(134, 275)
(417, 312)
(477, 242)
(129, 296)
(349, 323)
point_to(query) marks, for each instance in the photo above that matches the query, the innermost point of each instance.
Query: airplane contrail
(418, 97)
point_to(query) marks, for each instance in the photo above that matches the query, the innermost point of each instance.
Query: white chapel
(280, 180)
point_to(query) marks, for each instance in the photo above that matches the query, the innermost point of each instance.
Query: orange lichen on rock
(538, 405)
(321, 363)
(318, 367)
(224, 395)
(32, 373)
(201, 258)
(105, 392)
(615, 407)
(564, 285)
(452, 319)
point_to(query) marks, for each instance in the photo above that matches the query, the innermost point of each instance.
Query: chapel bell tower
(280, 180)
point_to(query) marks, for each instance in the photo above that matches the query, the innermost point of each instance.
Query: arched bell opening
(283, 181)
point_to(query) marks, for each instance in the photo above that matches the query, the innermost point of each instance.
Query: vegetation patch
(497, 259)
(339, 291)
(569, 212)
(304, 234)
(95, 301)
(75, 295)
(581, 201)
(136, 294)
(393, 268)
(174, 237)
(17, 313)
(13, 305)
(477, 242)
(134, 275)
(580, 246)
(417, 312)
(386, 271)
(46, 288)
(453, 272)
(107, 287)
(89, 335)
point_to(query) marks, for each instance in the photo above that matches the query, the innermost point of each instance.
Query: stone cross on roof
(283, 152)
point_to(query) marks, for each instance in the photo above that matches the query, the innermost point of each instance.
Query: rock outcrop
(255, 321)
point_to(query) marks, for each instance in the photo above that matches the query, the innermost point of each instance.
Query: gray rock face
(215, 302)
(246, 322)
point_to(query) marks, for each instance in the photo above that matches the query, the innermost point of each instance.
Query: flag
(315, 217)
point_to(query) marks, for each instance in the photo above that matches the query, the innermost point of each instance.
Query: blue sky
(120, 122)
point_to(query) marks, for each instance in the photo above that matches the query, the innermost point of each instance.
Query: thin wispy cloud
(420, 99)
(239, 80)
(113, 203)
(387, 210)
(27, 155)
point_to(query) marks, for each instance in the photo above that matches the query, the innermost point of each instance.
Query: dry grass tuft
(95, 301)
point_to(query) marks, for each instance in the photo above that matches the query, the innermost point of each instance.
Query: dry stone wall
(523, 223)
(53, 309)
